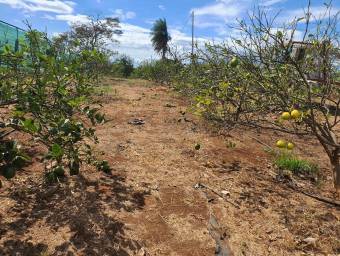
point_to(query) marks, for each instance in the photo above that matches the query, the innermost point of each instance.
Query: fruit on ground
(281, 144)
(9, 172)
(197, 146)
(285, 116)
(295, 114)
(59, 171)
(51, 177)
(290, 146)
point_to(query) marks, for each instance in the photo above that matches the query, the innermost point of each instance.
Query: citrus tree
(278, 77)
(46, 92)
(282, 77)
(293, 71)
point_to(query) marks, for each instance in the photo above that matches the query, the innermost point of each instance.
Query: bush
(48, 88)
(251, 80)
(161, 71)
(122, 67)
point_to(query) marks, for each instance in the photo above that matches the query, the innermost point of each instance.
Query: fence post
(16, 47)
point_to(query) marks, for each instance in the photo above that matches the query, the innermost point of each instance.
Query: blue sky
(213, 17)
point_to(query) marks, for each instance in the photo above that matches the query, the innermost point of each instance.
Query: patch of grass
(295, 165)
(230, 144)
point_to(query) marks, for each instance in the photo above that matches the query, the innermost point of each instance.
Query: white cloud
(136, 42)
(161, 7)
(124, 15)
(317, 13)
(55, 6)
(219, 13)
(72, 18)
(219, 9)
(270, 2)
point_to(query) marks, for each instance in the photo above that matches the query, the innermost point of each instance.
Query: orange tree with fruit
(265, 79)
(296, 80)
(46, 91)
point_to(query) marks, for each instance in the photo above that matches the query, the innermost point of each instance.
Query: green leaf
(57, 151)
(30, 125)
(76, 102)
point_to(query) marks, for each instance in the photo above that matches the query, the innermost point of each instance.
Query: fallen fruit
(290, 146)
(285, 116)
(281, 144)
(51, 177)
(59, 171)
(197, 146)
(9, 173)
(295, 114)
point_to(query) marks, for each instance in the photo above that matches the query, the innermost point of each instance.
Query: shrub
(48, 89)
(251, 80)
(122, 67)
(161, 71)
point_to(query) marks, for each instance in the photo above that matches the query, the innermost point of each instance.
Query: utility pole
(192, 34)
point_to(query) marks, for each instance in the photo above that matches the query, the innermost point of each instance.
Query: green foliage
(12, 158)
(251, 80)
(103, 166)
(122, 67)
(49, 88)
(160, 71)
(296, 165)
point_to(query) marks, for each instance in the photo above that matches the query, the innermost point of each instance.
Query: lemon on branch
(234, 62)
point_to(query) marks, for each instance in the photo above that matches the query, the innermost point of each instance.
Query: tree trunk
(335, 161)
(163, 54)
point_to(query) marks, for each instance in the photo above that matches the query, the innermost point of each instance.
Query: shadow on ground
(78, 206)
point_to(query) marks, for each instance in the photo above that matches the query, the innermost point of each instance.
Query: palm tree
(160, 37)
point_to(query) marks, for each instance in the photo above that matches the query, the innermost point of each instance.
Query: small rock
(310, 240)
(168, 105)
(136, 121)
(225, 192)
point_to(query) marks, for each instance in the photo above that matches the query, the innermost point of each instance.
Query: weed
(230, 144)
(297, 166)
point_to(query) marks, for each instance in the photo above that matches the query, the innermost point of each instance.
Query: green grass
(296, 165)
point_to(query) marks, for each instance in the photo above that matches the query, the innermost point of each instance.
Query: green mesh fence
(10, 34)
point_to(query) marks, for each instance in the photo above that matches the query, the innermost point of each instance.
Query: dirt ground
(163, 196)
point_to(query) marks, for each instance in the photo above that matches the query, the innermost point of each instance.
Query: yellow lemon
(285, 116)
(295, 114)
(290, 146)
(234, 62)
(281, 144)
